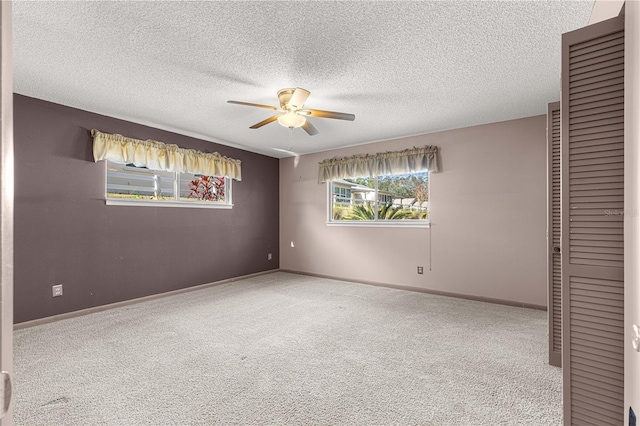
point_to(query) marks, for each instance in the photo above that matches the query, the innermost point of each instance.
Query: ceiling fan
(290, 114)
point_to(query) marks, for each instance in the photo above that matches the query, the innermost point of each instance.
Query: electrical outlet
(56, 290)
(269, 256)
(420, 270)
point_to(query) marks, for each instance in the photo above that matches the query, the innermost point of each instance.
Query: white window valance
(385, 163)
(160, 156)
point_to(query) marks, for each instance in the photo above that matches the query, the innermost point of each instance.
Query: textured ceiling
(403, 68)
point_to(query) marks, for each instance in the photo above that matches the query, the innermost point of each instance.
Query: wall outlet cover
(56, 290)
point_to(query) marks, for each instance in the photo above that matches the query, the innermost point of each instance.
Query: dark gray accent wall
(66, 234)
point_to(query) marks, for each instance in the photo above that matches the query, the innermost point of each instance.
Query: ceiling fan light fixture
(290, 114)
(291, 119)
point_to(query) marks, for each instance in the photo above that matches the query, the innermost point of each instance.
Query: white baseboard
(426, 290)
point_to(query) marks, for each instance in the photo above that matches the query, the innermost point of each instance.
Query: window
(341, 195)
(131, 185)
(390, 199)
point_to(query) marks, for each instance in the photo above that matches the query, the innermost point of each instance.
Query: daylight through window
(398, 199)
(127, 183)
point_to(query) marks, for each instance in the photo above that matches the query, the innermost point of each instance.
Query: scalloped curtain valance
(160, 156)
(385, 163)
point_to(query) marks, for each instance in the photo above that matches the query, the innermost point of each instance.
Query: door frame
(6, 207)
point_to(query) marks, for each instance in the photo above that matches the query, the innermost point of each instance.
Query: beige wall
(488, 207)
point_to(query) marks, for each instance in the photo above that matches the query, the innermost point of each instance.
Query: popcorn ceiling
(403, 68)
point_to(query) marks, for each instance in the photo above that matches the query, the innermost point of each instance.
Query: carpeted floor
(288, 349)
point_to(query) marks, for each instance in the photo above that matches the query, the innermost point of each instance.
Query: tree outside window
(382, 198)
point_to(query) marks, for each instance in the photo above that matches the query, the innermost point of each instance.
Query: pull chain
(290, 138)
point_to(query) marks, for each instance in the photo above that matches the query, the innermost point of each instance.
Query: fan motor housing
(284, 95)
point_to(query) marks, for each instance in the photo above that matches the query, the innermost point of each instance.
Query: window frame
(176, 202)
(390, 223)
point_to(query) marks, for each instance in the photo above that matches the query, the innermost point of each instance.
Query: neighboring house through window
(342, 192)
(391, 199)
(127, 184)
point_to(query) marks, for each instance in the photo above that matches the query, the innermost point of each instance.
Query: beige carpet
(287, 349)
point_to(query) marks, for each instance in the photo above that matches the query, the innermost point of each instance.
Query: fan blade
(298, 98)
(329, 114)
(309, 128)
(252, 105)
(263, 122)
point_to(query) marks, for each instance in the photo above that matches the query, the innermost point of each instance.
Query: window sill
(383, 224)
(163, 203)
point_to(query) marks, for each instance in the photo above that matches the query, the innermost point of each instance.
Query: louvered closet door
(554, 270)
(592, 113)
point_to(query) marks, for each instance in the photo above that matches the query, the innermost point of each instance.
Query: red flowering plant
(207, 188)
